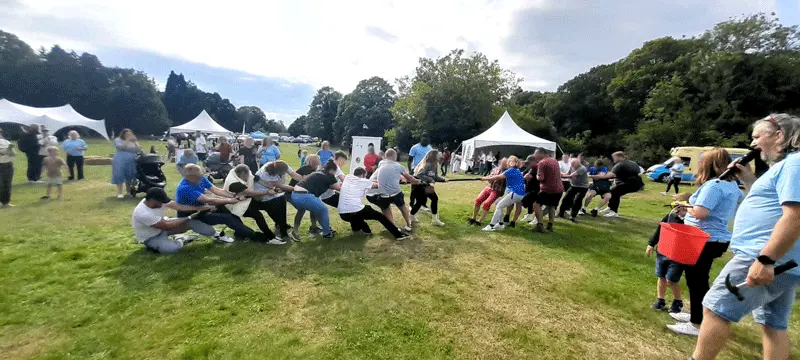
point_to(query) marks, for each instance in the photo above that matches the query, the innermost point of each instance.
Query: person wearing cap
(45, 141)
(153, 228)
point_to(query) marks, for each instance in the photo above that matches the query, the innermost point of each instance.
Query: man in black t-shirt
(626, 180)
(531, 188)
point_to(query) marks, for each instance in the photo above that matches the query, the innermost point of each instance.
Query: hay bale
(96, 160)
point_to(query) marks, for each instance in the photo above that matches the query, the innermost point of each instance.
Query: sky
(275, 54)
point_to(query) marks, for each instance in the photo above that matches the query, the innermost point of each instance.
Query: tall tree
(366, 110)
(322, 113)
(298, 127)
(452, 92)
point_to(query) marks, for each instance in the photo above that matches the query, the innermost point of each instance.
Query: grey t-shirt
(582, 179)
(389, 177)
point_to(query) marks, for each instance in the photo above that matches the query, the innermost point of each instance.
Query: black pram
(215, 168)
(148, 173)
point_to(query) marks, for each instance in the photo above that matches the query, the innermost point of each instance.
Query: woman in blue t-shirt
(325, 153)
(713, 207)
(675, 175)
(515, 191)
(268, 152)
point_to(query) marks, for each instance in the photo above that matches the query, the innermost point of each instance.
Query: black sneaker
(573, 220)
(561, 215)
(506, 218)
(477, 223)
(471, 221)
(677, 306)
(660, 305)
(512, 224)
(329, 235)
(314, 230)
(594, 212)
(550, 227)
(540, 228)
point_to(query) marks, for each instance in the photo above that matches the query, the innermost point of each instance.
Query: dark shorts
(549, 199)
(600, 190)
(396, 199)
(374, 199)
(666, 268)
(202, 156)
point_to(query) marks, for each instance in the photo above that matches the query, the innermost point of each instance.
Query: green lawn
(75, 285)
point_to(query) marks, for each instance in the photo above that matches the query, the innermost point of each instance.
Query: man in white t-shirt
(565, 165)
(352, 209)
(200, 147)
(153, 228)
(6, 170)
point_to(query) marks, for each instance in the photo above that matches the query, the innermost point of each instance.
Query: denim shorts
(666, 268)
(771, 305)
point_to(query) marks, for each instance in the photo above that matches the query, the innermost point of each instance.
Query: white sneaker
(435, 221)
(567, 213)
(120, 196)
(582, 212)
(681, 316)
(425, 208)
(528, 218)
(663, 194)
(684, 328)
(604, 211)
(611, 214)
(185, 238)
(499, 227)
(276, 241)
(223, 238)
(533, 222)
(488, 228)
(407, 229)
(294, 235)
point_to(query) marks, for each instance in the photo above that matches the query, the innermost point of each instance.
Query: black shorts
(332, 201)
(384, 202)
(549, 199)
(600, 190)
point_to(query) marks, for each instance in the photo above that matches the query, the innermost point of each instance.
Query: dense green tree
(298, 127)
(366, 110)
(322, 113)
(14, 51)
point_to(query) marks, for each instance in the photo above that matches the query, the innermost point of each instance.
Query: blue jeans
(306, 201)
(771, 305)
(162, 244)
(668, 269)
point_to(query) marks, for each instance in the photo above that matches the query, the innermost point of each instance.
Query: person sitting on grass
(352, 209)
(515, 184)
(196, 190)
(188, 157)
(52, 165)
(493, 191)
(153, 228)
(668, 272)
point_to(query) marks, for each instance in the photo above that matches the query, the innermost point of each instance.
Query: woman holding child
(713, 206)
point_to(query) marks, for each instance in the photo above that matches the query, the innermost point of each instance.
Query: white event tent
(504, 135)
(202, 123)
(54, 118)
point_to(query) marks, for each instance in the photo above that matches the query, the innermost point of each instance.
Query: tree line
(689, 91)
(125, 98)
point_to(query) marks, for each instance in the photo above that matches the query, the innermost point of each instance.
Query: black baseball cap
(157, 194)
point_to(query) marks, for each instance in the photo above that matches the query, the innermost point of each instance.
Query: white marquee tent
(54, 118)
(504, 134)
(203, 123)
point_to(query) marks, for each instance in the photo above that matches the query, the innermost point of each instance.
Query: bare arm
(337, 187)
(411, 179)
(698, 212)
(786, 232)
(171, 224)
(220, 192)
(294, 175)
(493, 178)
(217, 201)
(178, 207)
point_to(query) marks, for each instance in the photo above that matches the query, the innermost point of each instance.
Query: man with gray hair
(388, 177)
(765, 233)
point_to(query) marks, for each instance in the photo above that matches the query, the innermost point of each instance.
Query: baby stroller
(148, 173)
(215, 168)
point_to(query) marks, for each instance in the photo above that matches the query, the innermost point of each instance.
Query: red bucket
(682, 243)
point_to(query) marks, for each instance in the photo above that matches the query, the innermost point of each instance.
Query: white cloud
(339, 43)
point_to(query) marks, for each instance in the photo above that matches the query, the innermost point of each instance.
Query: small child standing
(668, 272)
(303, 156)
(52, 167)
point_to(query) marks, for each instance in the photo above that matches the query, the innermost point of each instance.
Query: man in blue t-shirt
(765, 233)
(193, 191)
(415, 156)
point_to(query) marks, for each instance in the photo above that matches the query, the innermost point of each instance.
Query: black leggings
(573, 201)
(34, 166)
(358, 223)
(529, 199)
(254, 213)
(276, 209)
(673, 181)
(419, 196)
(72, 163)
(697, 277)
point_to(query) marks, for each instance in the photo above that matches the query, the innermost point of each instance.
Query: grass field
(75, 285)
